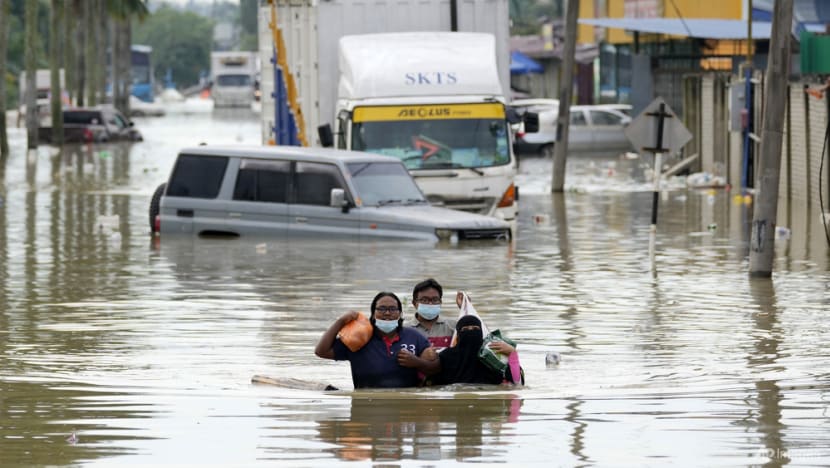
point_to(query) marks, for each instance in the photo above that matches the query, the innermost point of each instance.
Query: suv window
(197, 176)
(264, 181)
(120, 122)
(82, 117)
(313, 183)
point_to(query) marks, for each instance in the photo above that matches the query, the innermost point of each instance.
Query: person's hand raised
(502, 347)
(349, 316)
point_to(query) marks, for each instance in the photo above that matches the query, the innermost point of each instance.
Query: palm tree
(4, 33)
(90, 55)
(80, 9)
(123, 11)
(54, 72)
(104, 39)
(31, 72)
(69, 21)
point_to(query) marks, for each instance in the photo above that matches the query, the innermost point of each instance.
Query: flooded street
(116, 349)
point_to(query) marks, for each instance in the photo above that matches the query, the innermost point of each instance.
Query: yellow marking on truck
(429, 112)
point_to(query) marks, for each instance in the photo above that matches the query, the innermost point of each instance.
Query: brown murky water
(115, 350)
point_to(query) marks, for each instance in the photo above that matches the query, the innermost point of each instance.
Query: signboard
(643, 9)
(643, 132)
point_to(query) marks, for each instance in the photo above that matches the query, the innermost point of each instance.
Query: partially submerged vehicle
(306, 192)
(593, 128)
(93, 125)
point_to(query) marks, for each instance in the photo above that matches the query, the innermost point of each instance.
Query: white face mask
(429, 311)
(386, 326)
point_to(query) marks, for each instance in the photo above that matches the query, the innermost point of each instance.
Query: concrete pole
(30, 60)
(55, 38)
(762, 243)
(560, 153)
(4, 35)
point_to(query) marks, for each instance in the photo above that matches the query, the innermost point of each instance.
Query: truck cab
(233, 77)
(434, 101)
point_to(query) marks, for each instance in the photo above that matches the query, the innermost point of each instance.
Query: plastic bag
(356, 333)
(467, 309)
(491, 358)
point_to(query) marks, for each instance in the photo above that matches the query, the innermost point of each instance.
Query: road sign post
(657, 130)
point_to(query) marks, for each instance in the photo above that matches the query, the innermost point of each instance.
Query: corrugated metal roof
(694, 27)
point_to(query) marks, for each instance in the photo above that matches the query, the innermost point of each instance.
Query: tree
(69, 21)
(248, 19)
(31, 73)
(122, 12)
(90, 55)
(54, 72)
(181, 42)
(81, 38)
(4, 34)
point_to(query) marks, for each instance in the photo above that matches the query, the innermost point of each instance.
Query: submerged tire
(154, 206)
(546, 151)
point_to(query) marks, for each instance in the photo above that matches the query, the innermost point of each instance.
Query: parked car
(93, 125)
(624, 108)
(594, 128)
(307, 192)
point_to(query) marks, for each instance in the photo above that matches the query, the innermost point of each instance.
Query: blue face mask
(429, 311)
(386, 326)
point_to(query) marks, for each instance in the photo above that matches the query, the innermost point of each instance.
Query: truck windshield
(384, 183)
(437, 143)
(234, 80)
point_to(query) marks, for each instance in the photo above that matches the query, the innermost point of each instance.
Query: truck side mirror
(531, 121)
(326, 136)
(337, 199)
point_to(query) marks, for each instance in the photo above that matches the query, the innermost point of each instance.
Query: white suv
(308, 192)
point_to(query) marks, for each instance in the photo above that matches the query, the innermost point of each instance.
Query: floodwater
(118, 350)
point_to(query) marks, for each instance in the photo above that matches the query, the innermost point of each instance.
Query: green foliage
(248, 13)
(17, 46)
(181, 42)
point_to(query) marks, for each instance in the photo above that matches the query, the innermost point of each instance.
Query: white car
(594, 129)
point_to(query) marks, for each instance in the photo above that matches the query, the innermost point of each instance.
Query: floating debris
(72, 439)
(552, 359)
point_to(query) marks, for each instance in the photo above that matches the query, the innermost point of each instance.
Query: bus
(141, 70)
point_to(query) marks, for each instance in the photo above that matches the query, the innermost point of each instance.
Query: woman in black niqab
(460, 364)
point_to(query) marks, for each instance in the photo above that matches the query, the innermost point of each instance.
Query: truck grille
(471, 205)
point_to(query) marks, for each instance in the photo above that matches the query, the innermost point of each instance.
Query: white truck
(410, 88)
(233, 77)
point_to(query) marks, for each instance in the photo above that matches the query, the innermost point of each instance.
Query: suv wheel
(154, 206)
(546, 151)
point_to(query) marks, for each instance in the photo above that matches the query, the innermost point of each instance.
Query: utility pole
(4, 34)
(30, 61)
(762, 243)
(560, 154)
(55, 37)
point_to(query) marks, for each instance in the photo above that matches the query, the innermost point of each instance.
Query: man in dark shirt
(394, 355)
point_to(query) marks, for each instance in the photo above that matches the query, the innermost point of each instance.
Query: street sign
(644, 131)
